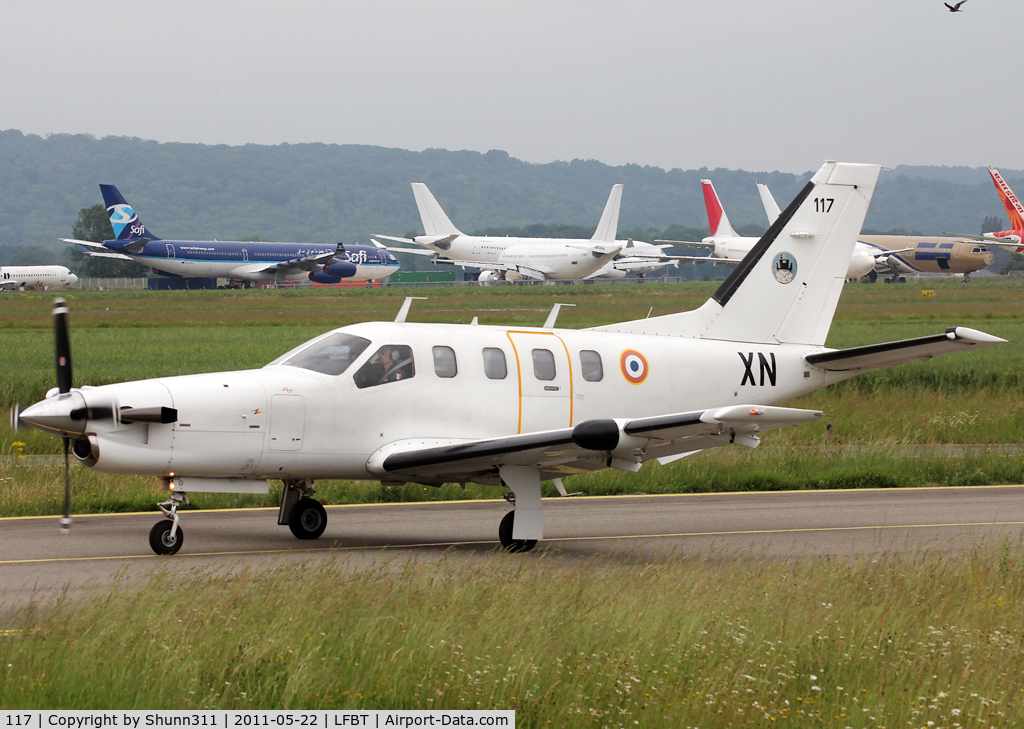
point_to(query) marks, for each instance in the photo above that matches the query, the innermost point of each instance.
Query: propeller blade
(65, 522)
(63, 345)
(15, 417)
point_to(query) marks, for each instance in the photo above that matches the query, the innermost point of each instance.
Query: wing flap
(888, 354)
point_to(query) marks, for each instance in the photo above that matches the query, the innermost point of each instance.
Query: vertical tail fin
(786, 289)
(718, 221)
(435, 222)
(608, 228)
(771, 208)
(1010, 201)
(126, 224)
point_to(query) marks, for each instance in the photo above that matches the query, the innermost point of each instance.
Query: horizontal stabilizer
(396, 249)
(889, 354)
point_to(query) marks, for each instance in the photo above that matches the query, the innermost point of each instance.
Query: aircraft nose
(73, 279)
(64, 415)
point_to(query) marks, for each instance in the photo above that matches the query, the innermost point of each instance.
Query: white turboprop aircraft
(440, 403)
(512, 258)
(35, 277)
(728, 245)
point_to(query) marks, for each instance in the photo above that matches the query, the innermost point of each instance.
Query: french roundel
(634, 366)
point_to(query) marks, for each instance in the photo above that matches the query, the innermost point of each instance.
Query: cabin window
(331, 355)
(590, 366)
(543, 364)
(390, 363)
(444, 362)
(494, 363)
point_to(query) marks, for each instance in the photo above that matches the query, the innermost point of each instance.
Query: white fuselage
(283, 421)
(36, 277)
(734, 248)
(556, 258)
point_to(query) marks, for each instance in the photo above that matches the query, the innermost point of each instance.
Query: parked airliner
(35, 277)
(897, 255)
(513, 258)
(428, 403)
(237, 260)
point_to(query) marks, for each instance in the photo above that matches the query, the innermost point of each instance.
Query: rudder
(123, 218)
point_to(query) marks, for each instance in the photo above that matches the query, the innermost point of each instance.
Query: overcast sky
(752, 84)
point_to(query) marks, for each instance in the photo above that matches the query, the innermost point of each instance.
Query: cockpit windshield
(330, 355)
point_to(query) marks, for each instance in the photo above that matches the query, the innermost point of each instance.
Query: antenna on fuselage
(550, 322)
(404, 311)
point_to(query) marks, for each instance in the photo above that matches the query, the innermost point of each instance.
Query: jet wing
(690, 243)
(875, 356)
(295, 265)
(666, 258)
(534, 272)
(590, 445)
(1010, 240)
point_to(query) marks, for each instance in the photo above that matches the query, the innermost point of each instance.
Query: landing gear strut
(305, 516)
(521, 534)
(166, 537)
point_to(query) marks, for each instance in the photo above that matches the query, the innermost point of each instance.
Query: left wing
(589, 446)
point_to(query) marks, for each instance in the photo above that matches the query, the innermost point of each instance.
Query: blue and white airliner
(236, 260)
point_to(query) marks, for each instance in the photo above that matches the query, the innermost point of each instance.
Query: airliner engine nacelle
(489, 276)
(861, 264)
(343, 269)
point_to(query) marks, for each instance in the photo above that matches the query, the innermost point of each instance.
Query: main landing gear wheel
(160, 538)
(505, 536)
(307, 519)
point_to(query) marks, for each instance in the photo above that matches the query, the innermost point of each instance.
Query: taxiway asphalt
(38, 563)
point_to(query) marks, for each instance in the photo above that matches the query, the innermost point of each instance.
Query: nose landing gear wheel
(505, 536)
(160, 538)
(307, 519)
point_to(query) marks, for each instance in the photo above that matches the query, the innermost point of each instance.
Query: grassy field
(896, 641)
(877, 419)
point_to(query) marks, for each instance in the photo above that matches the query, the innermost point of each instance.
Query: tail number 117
(823, 204)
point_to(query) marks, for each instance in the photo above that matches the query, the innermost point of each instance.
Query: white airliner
(36, 277)
(728, 245)
(512, 258)
(639, 258)
(504, 405)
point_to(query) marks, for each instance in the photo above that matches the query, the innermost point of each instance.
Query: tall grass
(30, 490)
(895, 641)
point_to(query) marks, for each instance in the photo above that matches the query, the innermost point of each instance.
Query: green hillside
(327, 193)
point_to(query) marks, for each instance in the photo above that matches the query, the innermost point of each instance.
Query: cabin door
(545, 381)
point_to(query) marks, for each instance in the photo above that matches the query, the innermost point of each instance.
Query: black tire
(307, 519)
(159, 537)
(902, 279)
(505, 535)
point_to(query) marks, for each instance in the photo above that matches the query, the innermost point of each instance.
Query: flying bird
(955, 8)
